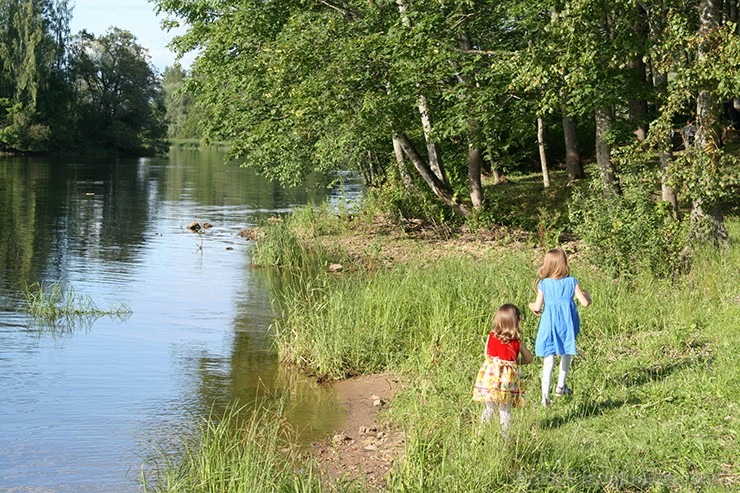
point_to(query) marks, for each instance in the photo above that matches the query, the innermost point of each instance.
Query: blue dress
(559, 323)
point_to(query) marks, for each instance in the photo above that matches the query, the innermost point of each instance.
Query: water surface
(82, 405)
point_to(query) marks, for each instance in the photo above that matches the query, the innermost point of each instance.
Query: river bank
(653, 373)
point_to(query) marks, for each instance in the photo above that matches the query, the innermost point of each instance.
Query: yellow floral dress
(500, 378)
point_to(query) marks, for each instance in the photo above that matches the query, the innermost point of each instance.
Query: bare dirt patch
(364, 450)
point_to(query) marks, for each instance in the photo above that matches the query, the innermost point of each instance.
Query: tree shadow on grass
(634, 377)
(585, 409)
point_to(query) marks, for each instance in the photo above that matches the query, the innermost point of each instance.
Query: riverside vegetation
(655, 382)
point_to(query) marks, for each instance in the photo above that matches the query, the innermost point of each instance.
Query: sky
(136, 16)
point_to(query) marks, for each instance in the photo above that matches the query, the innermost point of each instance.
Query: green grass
(235, 454)
(656, 381)
(61, 308)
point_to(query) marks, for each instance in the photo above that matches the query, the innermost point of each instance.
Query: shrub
(630, 233)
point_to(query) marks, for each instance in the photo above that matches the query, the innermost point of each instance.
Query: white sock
(547, 366)
(564, 367)
(487, 413)
(504, 413)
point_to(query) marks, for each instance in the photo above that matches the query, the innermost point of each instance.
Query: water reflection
(80, 407)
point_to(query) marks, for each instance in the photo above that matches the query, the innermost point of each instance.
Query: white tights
(504, 414)
(547, 367)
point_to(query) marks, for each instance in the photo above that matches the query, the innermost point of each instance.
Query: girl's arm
(526, 357)
(583, 296)
(536, 305)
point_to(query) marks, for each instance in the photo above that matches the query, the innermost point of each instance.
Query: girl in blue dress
(559, 322)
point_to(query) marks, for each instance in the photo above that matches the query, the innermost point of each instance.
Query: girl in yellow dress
(499, 381)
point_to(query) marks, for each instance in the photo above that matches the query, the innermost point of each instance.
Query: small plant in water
(50, 303)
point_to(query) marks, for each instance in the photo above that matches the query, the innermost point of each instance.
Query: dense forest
(60, 91)
(437, 94)
(424, 98)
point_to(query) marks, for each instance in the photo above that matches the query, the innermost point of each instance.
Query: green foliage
(182, 117)
(118, 91)
(394, 200)
(239, 452)
(19, 132)
(629, 234)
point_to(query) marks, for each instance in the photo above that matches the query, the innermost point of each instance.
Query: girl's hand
(537, 311)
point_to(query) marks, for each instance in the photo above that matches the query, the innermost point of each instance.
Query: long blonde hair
(555, 265)
(506, 323)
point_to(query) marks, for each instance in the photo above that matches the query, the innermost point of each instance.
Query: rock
(207, 225)
(370, 448)
(341, 438)
(335, 268)
(194, 226)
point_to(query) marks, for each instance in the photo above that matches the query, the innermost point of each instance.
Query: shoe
(563, 391)
(545, 402)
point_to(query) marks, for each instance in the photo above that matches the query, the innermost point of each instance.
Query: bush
(630, 233)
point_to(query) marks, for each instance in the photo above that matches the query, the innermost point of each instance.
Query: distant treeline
(60, 91)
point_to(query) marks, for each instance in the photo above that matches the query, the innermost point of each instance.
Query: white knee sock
(487, 412)
(547, 366)
(504, 413)
(564, 367)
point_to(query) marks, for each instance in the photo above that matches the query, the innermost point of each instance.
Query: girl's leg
(547, 366)
(564, 367)
(504, 413)
(487, 412)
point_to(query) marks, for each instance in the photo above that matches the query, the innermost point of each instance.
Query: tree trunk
(707, 222)
(435, 158)
(475, 163)
(402, 171)
(604, 121)
(441, 189)
(573, 162)
(638, 108)
(475, 154)
(497, 176)
(666, 159)
(543, 154)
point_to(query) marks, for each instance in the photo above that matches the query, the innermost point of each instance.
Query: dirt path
(363, 450)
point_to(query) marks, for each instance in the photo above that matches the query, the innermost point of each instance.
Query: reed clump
(49, 304)
(245, 450)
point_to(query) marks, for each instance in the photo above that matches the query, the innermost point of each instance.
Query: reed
(246, 450)
(50, 303)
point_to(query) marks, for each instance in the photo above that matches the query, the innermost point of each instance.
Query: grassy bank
(656, 382)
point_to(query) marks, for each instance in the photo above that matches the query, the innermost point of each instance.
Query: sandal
(563, 391)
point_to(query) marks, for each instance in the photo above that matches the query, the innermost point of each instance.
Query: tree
(700, 52)
(118, 91)
(27, 54)
(182, 120)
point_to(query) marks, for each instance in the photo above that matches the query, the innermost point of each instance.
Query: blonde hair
(506, 323)
(555, 265)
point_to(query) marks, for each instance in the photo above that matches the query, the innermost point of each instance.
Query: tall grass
(54, 303)
(656, 380)
(239, 452)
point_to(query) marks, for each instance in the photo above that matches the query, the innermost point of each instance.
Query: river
(85, 403)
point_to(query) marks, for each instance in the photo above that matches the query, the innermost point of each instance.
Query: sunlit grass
(654, 409)
(247, 450)
(49, 304)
